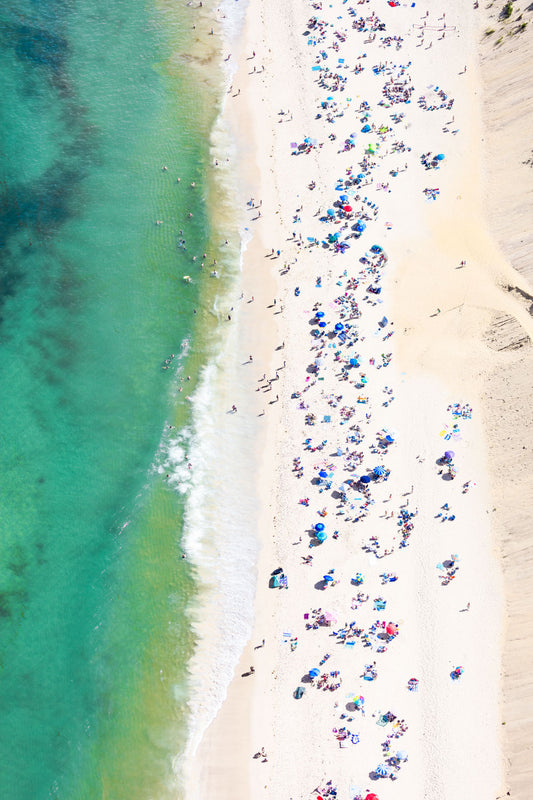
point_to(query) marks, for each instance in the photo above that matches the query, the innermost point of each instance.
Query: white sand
(452, 734)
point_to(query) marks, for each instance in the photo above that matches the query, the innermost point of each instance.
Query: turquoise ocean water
(96, 99)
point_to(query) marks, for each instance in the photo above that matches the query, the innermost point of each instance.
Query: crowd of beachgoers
(357, 519)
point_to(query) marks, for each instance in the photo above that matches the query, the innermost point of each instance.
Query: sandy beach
(372, 286)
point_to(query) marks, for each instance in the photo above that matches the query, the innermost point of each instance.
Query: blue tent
(366, 129)
(323, 474)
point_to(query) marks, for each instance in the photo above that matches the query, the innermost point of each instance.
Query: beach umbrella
(440, 157)
(365, 479)
(354, 362)
(328, 578)
(392, 629)
(314, 673)
(319, 314)
(322, 324)
(321, 536)
(344, 198)
(359, 700)
(323, 473)
(389, 438)
(347, 209)
(328, 616)
(381, 770)
(371, 796)
(319, 361)
(379, 471)
(449, 454)
(401, 755)
(361, 175)
(339, 326)
(319, 526)
(365, 129)
(331, 212)
(360, 227)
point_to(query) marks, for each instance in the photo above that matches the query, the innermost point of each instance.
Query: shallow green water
(92, 589)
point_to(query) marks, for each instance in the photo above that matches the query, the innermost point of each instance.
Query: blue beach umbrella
(319, 526)
(314, 673)
(328, 578)
(339, 326)
(323, 474)
(343, 198)
(365, 479)
(379, 471)
(319, 314)
(360, 227)
(321, 536)
(382, 770)
(322, 324)
(365, 128)
(440, 157)
(361, 176)
(354, 362)
(331, 212)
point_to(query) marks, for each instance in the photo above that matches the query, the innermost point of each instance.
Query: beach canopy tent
(322, 474)
(376, 248)
(328, 578)
(319, 526)
(365, 129)
(389, 438)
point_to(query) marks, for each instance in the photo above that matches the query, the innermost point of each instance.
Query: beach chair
(350, 643)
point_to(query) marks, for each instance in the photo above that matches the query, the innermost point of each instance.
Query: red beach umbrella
(347, 208)
(392, 629)
(371, 796)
